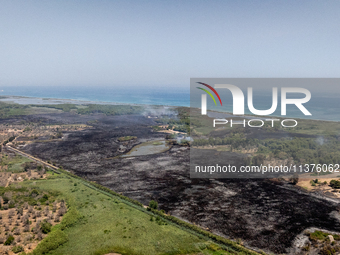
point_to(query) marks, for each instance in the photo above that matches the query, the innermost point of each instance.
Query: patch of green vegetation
(45, 227)
(17, 249)
(157, 143)
(319, 235)
(9, 110)
(15, 164)
(120, 219)
(335, 184)
(22, 194)
(51, 243)
(63, 107)
(153, 205)
(9, 241)
(181, 123)
(70, 219)
(126, 138)
(111, 109)
(98, 224)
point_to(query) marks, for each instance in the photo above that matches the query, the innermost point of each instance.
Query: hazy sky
(165, 42)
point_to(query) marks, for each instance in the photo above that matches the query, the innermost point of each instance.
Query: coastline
(27, 100)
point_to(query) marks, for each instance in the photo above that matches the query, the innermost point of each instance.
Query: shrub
(44, 198)
(34, 193)
(17, 249)
(5, 200)
(9, 240)
(71, 218)
(45, 227)
(51, 242)
(335, 184)
(153, 204)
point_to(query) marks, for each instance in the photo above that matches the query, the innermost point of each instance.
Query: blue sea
(130, 95)
(322, 106)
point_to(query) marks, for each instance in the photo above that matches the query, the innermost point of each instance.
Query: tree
(153, 205)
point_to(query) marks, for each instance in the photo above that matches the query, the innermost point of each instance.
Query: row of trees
(97, 108)
(111, 109)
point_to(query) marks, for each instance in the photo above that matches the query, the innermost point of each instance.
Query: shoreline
(48, 100)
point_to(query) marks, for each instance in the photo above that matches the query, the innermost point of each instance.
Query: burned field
(263, 214)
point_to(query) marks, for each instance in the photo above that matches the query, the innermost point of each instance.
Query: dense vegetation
(8, 110)
(180, 123)
(63, 107)
(111, 109)
(96, 108)
(301, 150)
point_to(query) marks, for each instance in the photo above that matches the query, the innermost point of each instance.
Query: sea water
(323, 106)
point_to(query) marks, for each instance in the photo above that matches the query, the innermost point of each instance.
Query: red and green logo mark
(209, 93)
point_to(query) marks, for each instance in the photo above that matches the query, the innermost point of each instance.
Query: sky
(165, 43)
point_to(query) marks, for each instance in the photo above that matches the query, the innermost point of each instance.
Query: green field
(109, 225)
(102, 224)
(99, 223)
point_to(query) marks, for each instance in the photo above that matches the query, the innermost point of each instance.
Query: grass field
(100, 225)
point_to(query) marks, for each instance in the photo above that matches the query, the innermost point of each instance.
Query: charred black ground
(263, 214)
